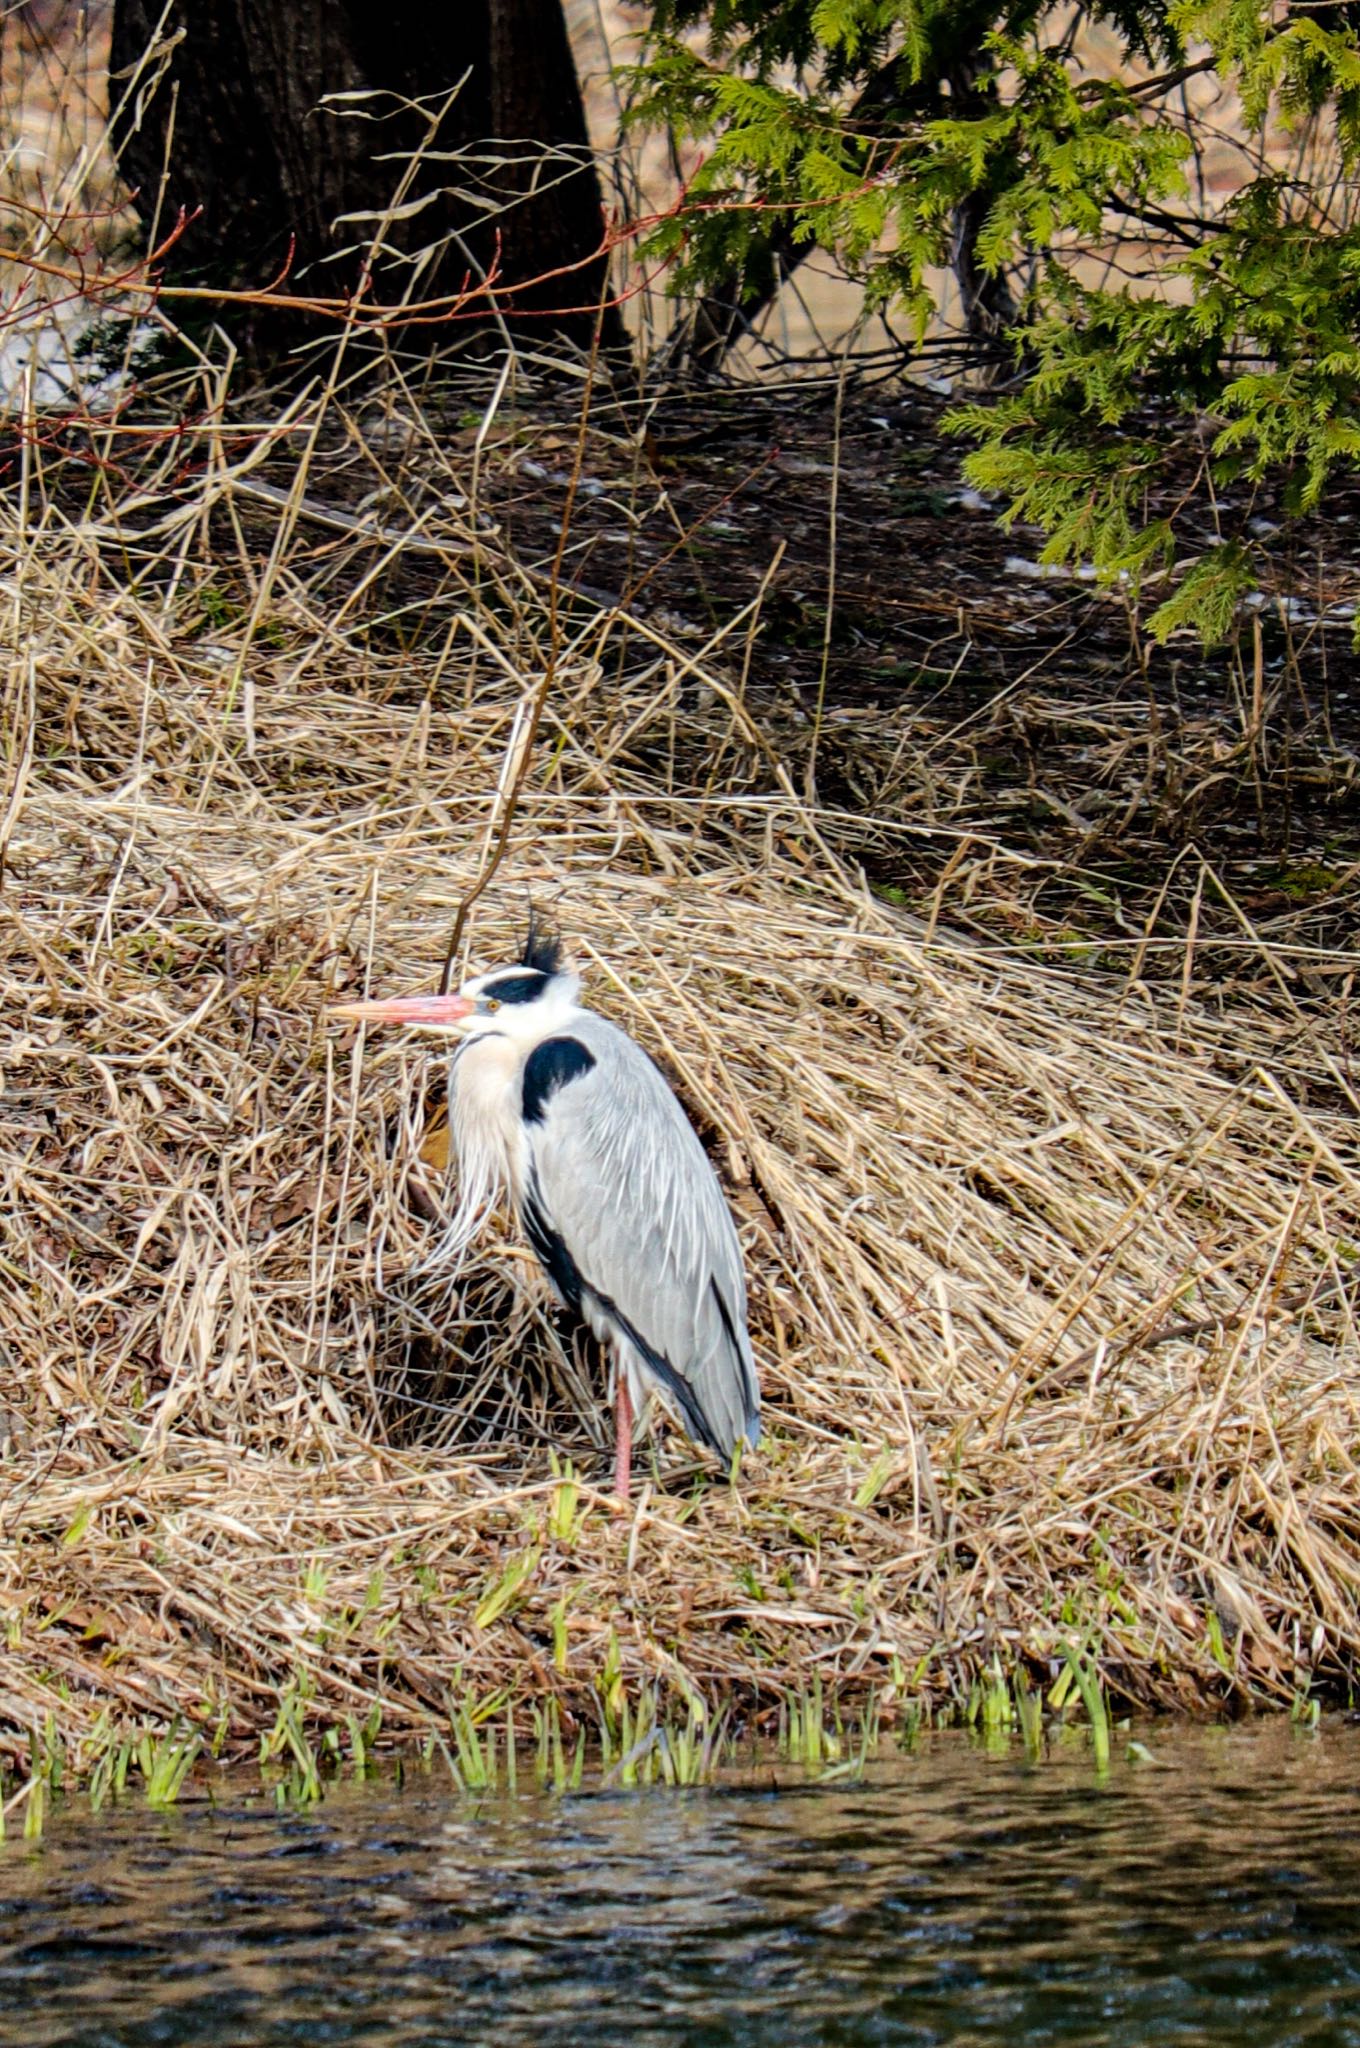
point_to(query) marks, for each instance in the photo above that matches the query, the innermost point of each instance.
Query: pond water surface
(1209, 1896)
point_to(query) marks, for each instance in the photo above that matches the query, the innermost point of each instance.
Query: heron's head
(529, 999)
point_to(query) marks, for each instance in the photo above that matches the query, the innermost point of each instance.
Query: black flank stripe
(730, 1328)
(572, 1286)
(556, 1261)
(549, 1067)
(700, 1428)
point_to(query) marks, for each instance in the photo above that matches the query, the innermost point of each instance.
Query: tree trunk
(237, 131)
(989, 306)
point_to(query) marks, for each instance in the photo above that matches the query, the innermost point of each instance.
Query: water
(951, 1898)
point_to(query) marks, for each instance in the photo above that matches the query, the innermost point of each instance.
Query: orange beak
(437, 1013)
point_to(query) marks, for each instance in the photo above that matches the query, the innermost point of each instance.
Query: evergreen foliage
(894, 132)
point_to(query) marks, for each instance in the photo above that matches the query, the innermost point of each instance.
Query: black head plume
(542, 948)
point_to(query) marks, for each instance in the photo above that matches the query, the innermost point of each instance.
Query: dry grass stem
(1052, 1259)
(1062, 1258)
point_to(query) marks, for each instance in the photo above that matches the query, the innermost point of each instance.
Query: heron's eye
(491, 1004)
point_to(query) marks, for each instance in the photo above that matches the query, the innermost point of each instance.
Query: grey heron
(557, 1107)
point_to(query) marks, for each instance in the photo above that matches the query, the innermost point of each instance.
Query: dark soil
(964, 692)
(1005, 745)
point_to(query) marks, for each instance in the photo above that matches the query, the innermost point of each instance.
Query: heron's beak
(428, 1013)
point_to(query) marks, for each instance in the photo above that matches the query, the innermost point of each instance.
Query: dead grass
(1051, 1271)
(1052, 1265)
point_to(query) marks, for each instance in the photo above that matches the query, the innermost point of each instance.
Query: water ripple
(952, 1900)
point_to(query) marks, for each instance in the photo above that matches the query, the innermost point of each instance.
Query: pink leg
(623, 1439)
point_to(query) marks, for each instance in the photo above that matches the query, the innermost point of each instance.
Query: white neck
(485, 1096)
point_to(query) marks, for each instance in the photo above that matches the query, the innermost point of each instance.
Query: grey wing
(627, 1214)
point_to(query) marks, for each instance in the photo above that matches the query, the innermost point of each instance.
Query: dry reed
(1051, 1272)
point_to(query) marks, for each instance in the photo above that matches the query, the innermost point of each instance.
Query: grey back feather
(628, 1187)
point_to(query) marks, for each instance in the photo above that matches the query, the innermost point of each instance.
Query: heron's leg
(623, 1438)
